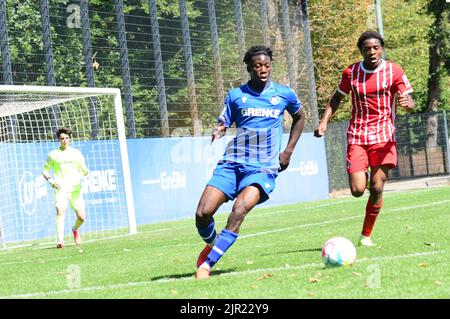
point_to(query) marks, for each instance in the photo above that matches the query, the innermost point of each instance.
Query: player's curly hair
(63, 130)
(256, 50)
(369, 35)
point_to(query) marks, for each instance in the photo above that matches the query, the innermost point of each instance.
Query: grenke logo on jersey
(261, 112)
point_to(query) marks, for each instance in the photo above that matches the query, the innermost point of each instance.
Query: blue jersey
(258, 117)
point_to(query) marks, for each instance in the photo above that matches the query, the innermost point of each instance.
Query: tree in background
(438, 53)
(408, 31)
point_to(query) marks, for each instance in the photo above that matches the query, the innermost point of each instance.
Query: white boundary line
(299, 226)
(234, 273)
(325, 222)
(420, 206)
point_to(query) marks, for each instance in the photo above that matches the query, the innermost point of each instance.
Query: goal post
(29, 119)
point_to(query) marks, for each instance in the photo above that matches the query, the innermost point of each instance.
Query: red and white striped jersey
(373, 99)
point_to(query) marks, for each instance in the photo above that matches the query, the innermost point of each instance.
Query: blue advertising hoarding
(169, 175)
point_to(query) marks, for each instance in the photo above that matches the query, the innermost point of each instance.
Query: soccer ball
(338, 251)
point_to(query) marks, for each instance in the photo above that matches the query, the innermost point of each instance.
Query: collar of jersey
(382, 64)
(263, 91)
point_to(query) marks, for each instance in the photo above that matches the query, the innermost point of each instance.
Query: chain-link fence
(422, 147)
(173, 60)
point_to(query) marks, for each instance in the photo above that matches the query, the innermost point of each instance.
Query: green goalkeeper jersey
(69, 167)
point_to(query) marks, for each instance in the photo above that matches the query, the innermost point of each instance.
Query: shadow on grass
(190, 274)
(294, 251)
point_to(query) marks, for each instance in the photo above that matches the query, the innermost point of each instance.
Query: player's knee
(357, 191)
(202, 215)
(376, 189)
(240, 211)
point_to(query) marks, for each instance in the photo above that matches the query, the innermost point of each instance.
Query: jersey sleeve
(47, 165)
(82, 164)
(294, 104)
(226, 113)
(400, 82)
(345, 84)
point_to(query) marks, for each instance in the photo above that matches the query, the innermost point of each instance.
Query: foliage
(335, 27)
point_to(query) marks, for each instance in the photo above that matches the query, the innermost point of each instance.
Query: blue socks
(208, 233)
(224, 241)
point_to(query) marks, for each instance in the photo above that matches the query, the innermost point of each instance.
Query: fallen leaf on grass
(264, 276)
(429, 244)
(249, 262)
(422, 265)
(356, 274)
(313, 280)
(174, 291)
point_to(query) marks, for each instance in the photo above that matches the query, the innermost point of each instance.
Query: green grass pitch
(277, 256)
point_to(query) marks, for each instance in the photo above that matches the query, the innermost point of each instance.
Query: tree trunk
(436, 8)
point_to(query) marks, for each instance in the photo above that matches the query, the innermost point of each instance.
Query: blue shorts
(231, 178)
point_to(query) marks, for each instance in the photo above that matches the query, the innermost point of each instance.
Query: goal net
(29, 119)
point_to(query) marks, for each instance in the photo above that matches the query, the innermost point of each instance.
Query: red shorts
(360, 157)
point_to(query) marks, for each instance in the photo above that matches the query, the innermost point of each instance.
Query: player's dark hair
(63, 130)
(256, 50)
(369, 35)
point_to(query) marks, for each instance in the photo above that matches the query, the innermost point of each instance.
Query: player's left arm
(403, 89)
(406, 101)
(82, 165)
(298, 122)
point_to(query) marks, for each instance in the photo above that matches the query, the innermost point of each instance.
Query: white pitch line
(330, 221)
(299, 226)
(420, 206)
(250, 216)
(229, 274)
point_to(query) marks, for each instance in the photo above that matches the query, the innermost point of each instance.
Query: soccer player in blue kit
(252, 160)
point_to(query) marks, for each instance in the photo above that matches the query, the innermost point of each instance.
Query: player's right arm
(46, 173)
(342, 90)
(330, 109)
(224, 120)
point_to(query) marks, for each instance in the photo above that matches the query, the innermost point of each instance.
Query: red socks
(372, 211)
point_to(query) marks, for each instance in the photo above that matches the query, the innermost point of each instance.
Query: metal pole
(264, 22)
(4, 45)
(49, 61)
(241, 38)
(6, 64)
(193, 110)
(159, 69)
(288, 46)
(126, 76)
(309, 63)
(88, 60)
(11, 121)
(379, 21)
(48, 49)
(447, 140)
(216, 54)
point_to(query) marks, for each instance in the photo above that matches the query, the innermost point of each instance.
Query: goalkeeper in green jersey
(69, 168)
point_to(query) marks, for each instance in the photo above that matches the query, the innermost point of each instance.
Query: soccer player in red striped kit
(376, 87)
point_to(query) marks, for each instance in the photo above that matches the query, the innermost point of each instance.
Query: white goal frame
(115, 92)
